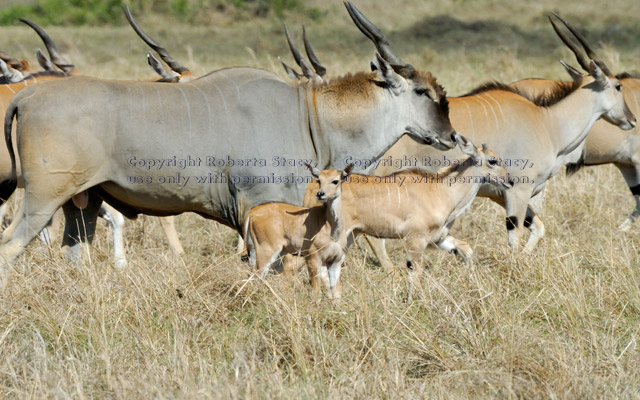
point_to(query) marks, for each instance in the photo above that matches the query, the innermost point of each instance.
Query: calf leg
(318, 276)
(415, 258)
(380, 251)
(290, 265)
(334, 278)
(265, 257)
(459, 247)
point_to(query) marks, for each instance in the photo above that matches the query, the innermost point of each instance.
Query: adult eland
(213, 145)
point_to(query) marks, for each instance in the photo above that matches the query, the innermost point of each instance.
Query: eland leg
(415, 264)
(380, 251)
(533, 222)
(632, 177)
(456, 246)
(334, 270)
(516, 201)
(318, 277)
(35, 213)
(116, 221)
(79, 226)
(169, 226)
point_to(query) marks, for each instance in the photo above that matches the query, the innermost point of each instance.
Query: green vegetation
(105, 12)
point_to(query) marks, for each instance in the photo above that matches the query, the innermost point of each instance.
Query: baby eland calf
(417, 206)
(315, 233)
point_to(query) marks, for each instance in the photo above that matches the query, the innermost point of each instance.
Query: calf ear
(466, 146)
(347, 171)
(314, 171)
(387, 74)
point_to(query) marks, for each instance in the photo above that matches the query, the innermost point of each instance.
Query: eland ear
(387, 74)
(573, 73)
(12, 75)
(596, 72)
(44, 62)
(347, 171)
(314, 171)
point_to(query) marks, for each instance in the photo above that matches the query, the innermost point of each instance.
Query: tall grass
(561, 323)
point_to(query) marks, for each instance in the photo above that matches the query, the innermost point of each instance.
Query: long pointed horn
(377, 37)
(162, 52)
(54, 55)
(12, 62)
(320, 70)
(586, 45)
(580, 57)
(307, 70)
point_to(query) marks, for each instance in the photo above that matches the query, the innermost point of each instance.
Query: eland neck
(354, 113)
(333, 215)
(462, 193)
(570, 119)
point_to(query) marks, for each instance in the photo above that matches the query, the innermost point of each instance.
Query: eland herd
(78, 144)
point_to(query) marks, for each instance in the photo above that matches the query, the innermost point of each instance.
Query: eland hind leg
(34, 214)
(80, 225)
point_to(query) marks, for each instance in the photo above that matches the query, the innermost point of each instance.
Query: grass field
(561, 323)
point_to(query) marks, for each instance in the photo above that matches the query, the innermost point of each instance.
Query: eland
(605, 143)
(217, 145)
(535, 136)
(416, 206)
(316, 233)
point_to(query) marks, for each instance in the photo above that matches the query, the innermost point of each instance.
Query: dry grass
(563, 323)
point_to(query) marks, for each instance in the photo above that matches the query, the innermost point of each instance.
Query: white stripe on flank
(498, 104)
(473, 128)
(495, 116)
(186, 100)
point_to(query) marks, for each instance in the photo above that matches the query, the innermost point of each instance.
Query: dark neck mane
(559, 91)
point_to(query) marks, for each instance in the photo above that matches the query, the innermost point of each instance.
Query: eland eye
(335, 182)
(422, 92)
(492, 162)
(619, 87)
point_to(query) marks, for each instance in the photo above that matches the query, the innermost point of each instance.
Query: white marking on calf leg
(334, 278)
(451, 244)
